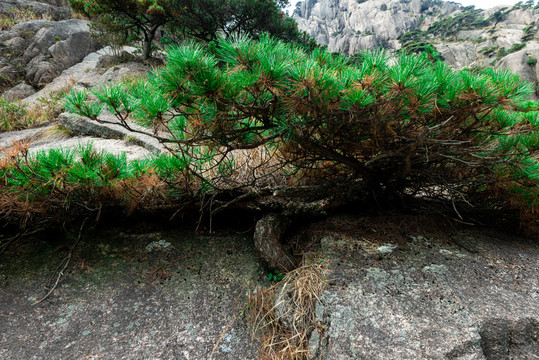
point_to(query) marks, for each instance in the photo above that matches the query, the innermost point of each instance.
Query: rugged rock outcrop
(56, 48)
(88, 73)
(349, 26)
(39, 49)
(55, 10)
(70, 131)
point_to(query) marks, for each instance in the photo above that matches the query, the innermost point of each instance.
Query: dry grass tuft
(16, 16)
(283, 315)
(18, 116)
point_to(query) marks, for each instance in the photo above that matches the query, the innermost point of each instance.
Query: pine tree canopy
(396, 127)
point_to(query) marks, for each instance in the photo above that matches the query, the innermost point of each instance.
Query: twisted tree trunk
(268, 236)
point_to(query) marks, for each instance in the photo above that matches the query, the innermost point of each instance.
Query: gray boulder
(38, 8)
(13, 47)
(81, 126)
(459, 55)
(9, 75)
(57, 48)
(18, 92)
(52, 137)
(31, 27)
(7, 34)
(518, 62)
(87, 74)
(40, 71)
(25, 30)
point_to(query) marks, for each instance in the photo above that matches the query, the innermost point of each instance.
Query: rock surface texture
(349, 26)
(159, 295)
(392, 293)
(460, 295)
(56, 10)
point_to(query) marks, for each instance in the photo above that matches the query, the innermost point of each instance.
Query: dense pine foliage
(240, 117)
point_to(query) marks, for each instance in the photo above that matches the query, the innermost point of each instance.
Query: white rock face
(348, 26)
(87, 73)
(460, 55)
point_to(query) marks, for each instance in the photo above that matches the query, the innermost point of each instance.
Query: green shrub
(489, 51)
(241, 118)
(392, 129)
(517, 47)
(532, 61)
(529, 33)
(450, 25)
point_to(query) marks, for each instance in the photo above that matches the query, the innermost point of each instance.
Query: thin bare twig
(63, 267)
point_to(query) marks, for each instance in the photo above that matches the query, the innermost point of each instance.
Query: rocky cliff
(465, 37)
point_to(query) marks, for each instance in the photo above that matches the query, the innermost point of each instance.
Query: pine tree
(394, 129)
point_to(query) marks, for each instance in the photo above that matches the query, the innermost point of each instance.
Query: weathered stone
(57, 48)
(116, 303)
(40, 71)
(14, 47)
(108, 146)
(51, 137)
(37, 8)
(506, 339)
(122, 57)
(10, 75)
(348, 26)
(31, 27)
(117, 72)
(432, 298)
(81, 126)
(18, 92)
(85, 75)
(518, 63)
(459, 55)
(8, 138)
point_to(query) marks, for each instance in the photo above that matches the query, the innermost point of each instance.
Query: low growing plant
(243, 119)
(13, 116)
(394, 128)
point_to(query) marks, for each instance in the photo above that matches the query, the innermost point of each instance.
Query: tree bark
(269, 232)
(148, 40)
